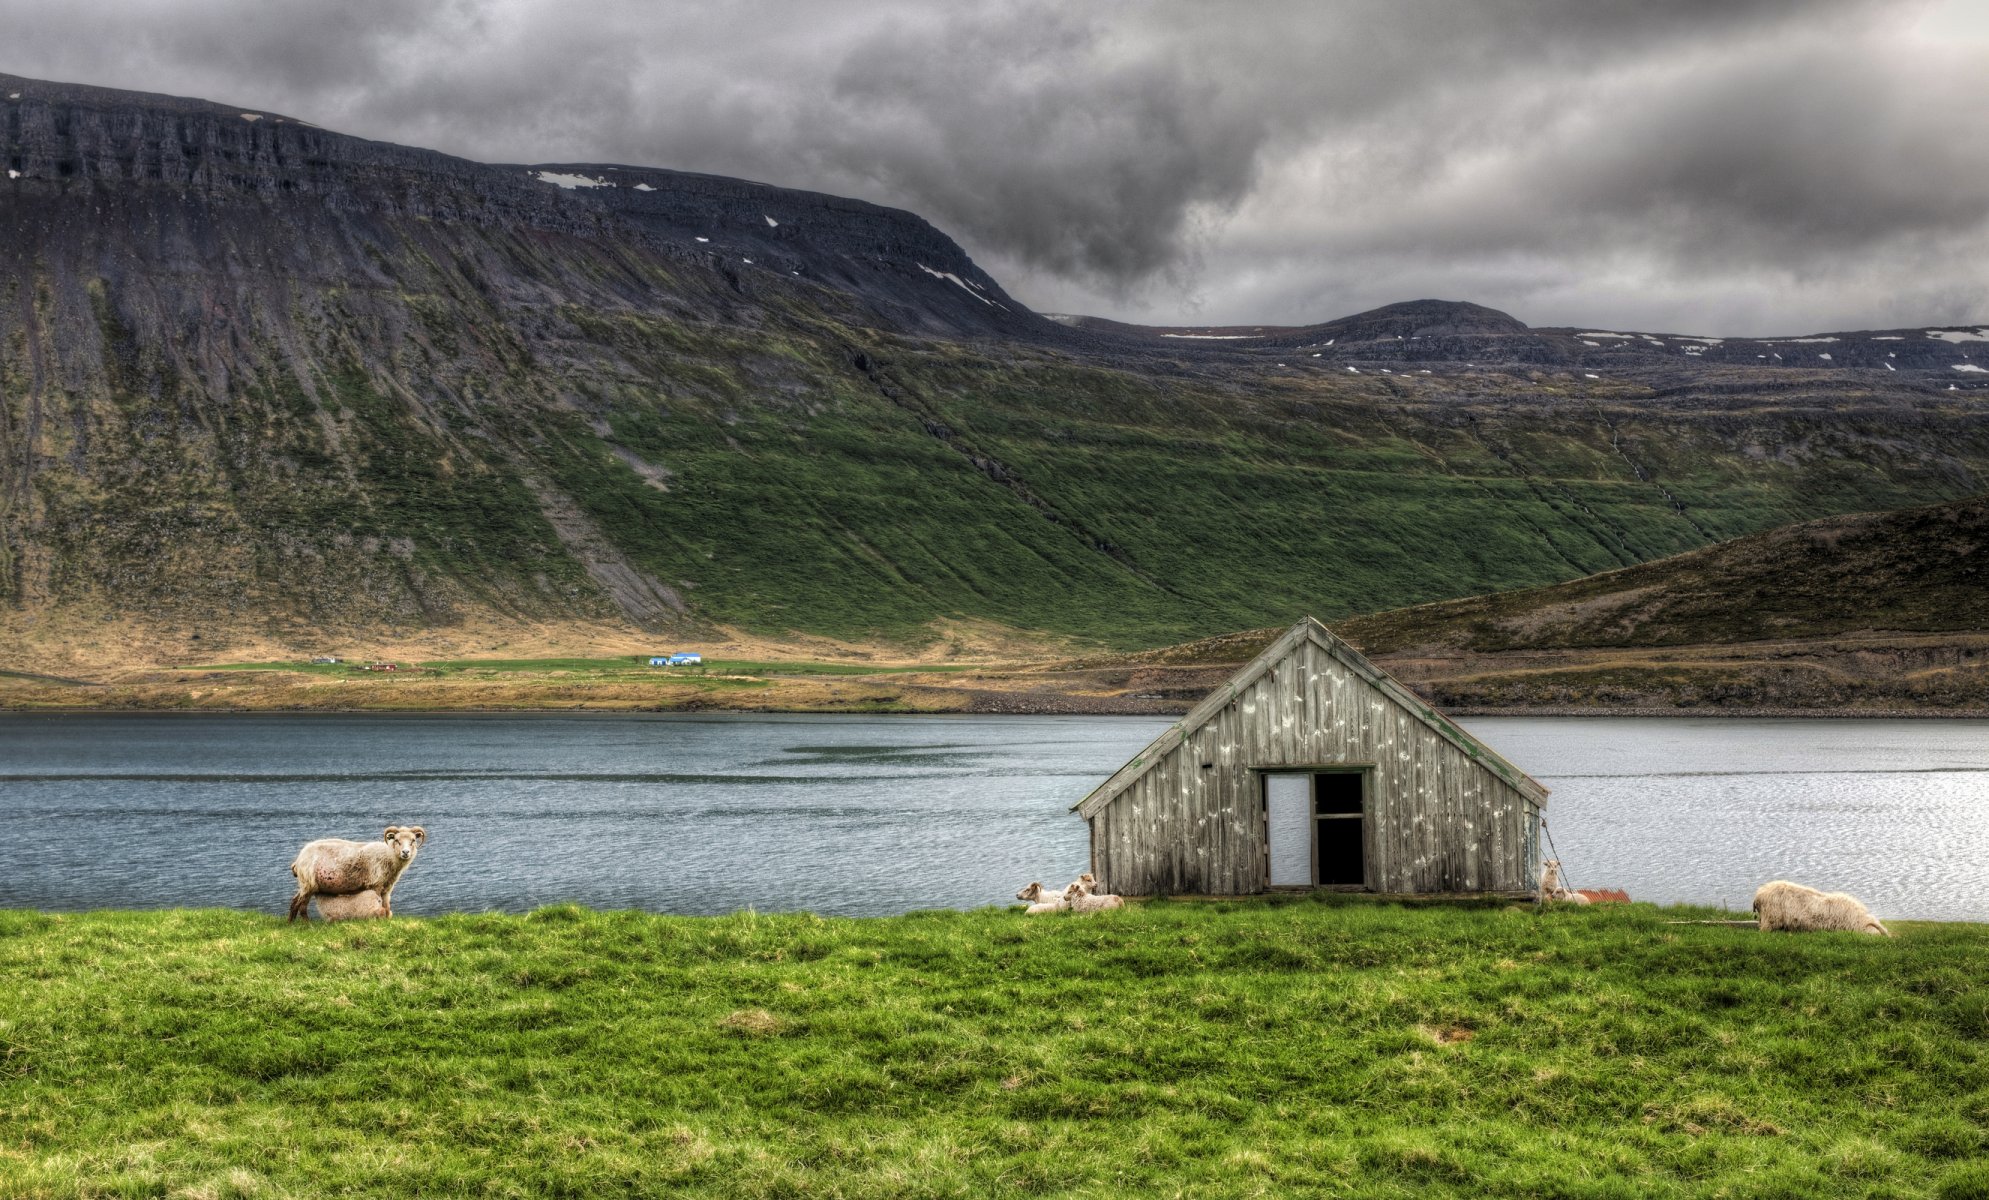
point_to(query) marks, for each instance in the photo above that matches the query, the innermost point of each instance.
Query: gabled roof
(1308, 629)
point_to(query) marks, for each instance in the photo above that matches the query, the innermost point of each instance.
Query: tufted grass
(1325, 1046)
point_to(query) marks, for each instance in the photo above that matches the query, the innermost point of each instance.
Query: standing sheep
(337, 867)
(1791, 906)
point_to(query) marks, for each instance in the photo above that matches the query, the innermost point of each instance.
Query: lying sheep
(1085, 902)
(1082, 896)
(336, 867)
(1791, 906)
(1550, 885)
(1041, 900)
(359, 906)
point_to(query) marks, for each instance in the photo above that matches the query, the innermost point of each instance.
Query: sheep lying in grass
(1083, 897)
(1042, 900)
(359, 906)
(337, 867)
(1791, 906)
(1550, 885)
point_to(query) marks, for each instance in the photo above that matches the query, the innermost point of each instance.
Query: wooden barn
(1313, 768)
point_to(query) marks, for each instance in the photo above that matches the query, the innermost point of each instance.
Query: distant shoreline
(1007, 709)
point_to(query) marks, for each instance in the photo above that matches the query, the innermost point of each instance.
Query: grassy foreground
(1327, 1047)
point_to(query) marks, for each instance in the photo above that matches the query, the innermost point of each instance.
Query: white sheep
(337, 867)
(1041, 900)
(1791, 906)
(1082, 896)
(359, 906)
(1550, 885)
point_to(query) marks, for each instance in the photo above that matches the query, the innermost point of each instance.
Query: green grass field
(1319, 1047)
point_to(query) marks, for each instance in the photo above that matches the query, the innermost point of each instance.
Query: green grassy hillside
(1915, 570)
(352, 387)
(1234, 1049)
(770, 483)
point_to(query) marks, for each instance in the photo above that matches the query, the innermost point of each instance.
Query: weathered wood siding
(1437, 821)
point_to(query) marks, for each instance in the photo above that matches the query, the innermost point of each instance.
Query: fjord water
(872, 815)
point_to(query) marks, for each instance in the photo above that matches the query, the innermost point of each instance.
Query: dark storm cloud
(1736, 165)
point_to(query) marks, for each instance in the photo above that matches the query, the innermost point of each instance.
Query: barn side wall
(1437, 821)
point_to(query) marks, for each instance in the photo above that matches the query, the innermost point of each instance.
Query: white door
(1288, 820)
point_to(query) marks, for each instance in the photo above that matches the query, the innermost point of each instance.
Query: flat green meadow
(1318, 1046)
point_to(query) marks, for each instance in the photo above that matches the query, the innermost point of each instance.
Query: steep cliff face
(259, 376)
(247, 359)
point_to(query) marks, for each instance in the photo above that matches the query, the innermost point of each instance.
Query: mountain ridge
(261, 381)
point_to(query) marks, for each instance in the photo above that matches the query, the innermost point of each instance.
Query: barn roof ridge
(1307, 629)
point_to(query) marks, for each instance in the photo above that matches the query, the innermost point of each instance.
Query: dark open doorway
(1339, 800)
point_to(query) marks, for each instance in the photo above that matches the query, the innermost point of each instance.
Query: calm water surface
(866, 815)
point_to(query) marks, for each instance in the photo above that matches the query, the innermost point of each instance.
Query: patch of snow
(569, 182)
(13, 174)
(251, 116)
(1315, 356)
(1208, 337)
(1353, 370)
(1890, 367)
(1586, 342)
(1604, 333)
(771, 223)
(1971, 367)
(1586, 375)
(1891, 337)
(1801, 341)
(13, 95)
(1386, 371)
(1959, 335)
(1824, 356)
(643, 187)
(747, 261)
(1425, 372)
(956, 279)
(1889, 354)
(1778, 358)
(703, 239)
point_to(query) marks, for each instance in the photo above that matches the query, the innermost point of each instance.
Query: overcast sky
(1699, 166)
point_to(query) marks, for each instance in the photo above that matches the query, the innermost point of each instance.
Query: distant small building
(1312, 767)
(682, 658)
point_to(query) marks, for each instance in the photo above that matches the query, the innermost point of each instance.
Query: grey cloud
(1762, 163)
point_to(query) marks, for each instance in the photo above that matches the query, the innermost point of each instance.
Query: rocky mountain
(259, 380)
(1448, 334)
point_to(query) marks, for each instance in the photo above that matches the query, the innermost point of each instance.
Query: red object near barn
(1604, 895)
